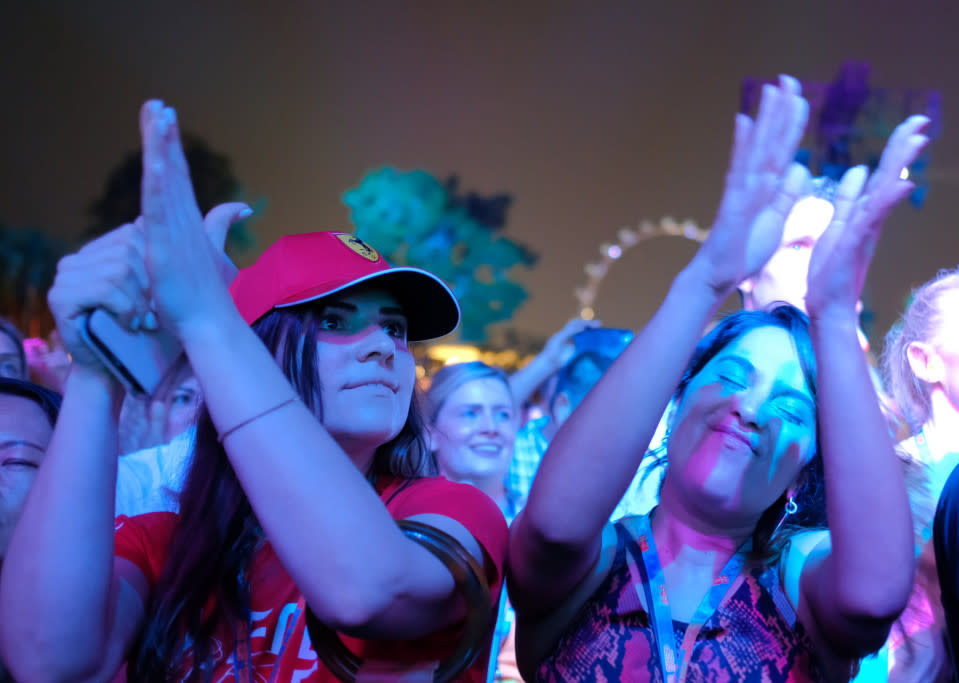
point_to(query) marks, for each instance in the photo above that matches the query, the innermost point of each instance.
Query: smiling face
(365, 368)
(744, 428)
(25, 432)
(474, 431)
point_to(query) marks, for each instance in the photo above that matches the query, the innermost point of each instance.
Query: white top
(150, 480)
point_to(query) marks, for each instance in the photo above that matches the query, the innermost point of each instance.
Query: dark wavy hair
(218, 533)
(774, 529)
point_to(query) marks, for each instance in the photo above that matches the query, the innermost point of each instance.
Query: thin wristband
(225, 434)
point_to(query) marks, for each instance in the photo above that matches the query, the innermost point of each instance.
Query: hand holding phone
(139, 360)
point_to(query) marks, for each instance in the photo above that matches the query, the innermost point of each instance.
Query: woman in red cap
(309, 447)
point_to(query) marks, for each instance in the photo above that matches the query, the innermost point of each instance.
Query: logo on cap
(359, 246)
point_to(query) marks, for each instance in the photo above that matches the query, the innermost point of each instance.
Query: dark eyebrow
(495, 406)
(341, 305)
(785, 391)
(738, 360)
(351, 308)
(20, 442)
(802, 396)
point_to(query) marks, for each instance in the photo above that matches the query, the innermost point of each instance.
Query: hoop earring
(791, 506)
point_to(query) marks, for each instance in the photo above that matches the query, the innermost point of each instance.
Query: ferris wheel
(626, 239)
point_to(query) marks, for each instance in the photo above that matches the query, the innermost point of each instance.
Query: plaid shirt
(527, 454)
(641, 496)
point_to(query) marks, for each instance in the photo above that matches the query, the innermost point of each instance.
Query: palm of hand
(752, 225)
(184, 257)
(761, 186)
(840, 260)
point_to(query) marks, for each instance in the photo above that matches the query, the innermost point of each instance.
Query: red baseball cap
(300, 268)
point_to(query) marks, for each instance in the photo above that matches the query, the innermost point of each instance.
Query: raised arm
(858, 588)
(60, 581)
(334, 536)
(58, 585)
(556, 539)
(556, 352)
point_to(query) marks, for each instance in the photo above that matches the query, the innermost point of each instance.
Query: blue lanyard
(675, 664)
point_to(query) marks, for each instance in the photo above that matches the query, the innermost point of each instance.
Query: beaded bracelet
(287, 402)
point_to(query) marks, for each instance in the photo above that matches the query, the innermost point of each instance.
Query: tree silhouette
(28, 255)
(213, 183)
(28, 263)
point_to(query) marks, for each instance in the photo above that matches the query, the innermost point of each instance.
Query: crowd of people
(735, 498)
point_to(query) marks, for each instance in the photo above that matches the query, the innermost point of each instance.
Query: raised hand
(186, 267)
(559, 348)
(107, 273)
(840, 260)
(48, 363)
(762, 185)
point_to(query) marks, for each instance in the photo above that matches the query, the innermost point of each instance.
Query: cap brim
(431, 309)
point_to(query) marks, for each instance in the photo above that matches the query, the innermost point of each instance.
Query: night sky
(593, 115)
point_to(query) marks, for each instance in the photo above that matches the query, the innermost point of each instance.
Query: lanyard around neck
(675, 664)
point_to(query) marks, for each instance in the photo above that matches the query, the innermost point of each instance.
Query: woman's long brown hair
(205, 581)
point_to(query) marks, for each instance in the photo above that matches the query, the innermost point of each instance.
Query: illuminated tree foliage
(413, 219)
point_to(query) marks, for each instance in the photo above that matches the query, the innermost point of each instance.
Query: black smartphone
(139, 360)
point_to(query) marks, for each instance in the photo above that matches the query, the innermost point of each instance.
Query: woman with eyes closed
(309, 447)
(776, 427)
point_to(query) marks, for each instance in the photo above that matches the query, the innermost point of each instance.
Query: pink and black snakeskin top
(753, 635)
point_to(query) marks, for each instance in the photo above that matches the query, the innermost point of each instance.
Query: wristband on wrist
(256, 417)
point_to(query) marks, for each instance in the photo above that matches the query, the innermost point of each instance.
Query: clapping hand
(762, 184)
(185, 266)
(168, 261)
(840, 260)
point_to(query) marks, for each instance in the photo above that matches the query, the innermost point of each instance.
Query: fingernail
(169, 115)
(135, 323)
(150, 321)
(245, 213)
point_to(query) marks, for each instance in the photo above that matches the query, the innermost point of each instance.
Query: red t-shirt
(278, 636)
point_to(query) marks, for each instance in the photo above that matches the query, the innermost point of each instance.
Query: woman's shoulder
(399, 491)
(801, 548)
(465, 504)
